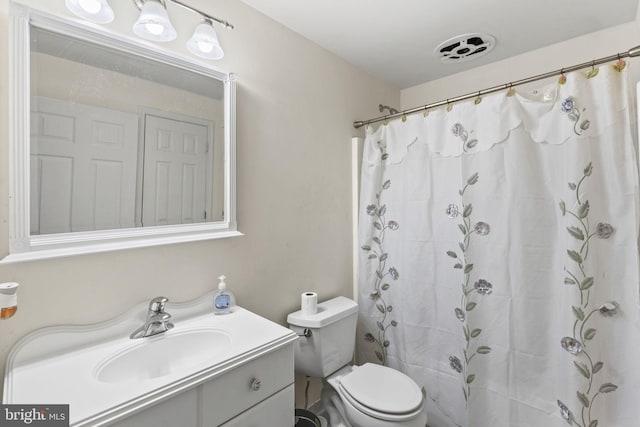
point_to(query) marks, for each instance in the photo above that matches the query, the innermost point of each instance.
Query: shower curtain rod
(631, 53)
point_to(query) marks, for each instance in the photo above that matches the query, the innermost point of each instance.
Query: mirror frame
(22, 245)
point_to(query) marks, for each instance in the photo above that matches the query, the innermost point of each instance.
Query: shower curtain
(499, 256)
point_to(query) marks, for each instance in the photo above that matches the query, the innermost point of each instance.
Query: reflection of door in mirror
(83, 161)
(177, 161)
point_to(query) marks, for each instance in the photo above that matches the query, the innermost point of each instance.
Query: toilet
(369, 395)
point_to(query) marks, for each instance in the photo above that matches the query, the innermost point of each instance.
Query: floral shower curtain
(499, 256)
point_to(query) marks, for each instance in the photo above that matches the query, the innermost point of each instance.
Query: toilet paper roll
(8, 294)
(309, 303)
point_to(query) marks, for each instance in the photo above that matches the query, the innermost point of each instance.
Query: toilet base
(332, 407)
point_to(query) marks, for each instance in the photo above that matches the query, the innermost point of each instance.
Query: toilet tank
(332, 340)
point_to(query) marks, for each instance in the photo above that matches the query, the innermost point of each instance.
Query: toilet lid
(382, 389)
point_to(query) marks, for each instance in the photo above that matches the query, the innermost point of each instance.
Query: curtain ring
(478, 99)
(563, 78)
(510, 90)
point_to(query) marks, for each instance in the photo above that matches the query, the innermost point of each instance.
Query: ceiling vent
(465, 47)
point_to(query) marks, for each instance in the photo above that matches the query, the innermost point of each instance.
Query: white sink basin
(164, 354)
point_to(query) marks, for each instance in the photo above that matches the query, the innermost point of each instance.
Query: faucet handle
(157, 304)
(160, 318)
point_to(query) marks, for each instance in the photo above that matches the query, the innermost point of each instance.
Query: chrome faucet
(157, 320)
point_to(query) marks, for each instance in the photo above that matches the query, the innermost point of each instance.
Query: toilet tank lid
(328, 312)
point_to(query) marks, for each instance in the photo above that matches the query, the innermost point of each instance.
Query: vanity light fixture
(97, 11)
(154, 24)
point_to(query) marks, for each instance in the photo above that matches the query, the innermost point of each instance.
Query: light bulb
(154, 28)
(91, 6)
(205, 47)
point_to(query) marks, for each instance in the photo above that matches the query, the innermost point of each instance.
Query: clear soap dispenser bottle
(223, 301)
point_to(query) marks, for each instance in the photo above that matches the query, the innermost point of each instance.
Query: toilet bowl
(364, 396)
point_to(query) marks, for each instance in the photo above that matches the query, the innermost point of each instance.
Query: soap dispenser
(223, 301)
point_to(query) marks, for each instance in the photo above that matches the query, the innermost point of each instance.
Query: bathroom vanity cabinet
(229, 370)
(257, 393)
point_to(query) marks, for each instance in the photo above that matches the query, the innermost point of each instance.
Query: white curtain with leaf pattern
(499, 256)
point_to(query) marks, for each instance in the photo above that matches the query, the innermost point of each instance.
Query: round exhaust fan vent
(465, 47)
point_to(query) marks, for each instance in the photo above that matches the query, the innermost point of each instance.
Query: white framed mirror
(113, 144)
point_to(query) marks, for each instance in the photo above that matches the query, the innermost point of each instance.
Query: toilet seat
(381, 392)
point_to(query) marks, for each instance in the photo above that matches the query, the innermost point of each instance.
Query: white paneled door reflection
(83, 161)
(175, 172)
(88, 171)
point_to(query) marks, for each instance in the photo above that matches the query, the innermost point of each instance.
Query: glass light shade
(204, 42)
(97, 11)
(153, 23)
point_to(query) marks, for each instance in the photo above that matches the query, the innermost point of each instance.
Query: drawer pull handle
(255, 384)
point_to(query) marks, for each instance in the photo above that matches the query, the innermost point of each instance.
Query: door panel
(175, 172)
(83, 160)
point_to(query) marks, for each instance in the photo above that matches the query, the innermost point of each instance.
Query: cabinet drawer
(275, 411)
(243, 387)
(181, 410)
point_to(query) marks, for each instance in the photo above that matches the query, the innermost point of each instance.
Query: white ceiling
(394, 40)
